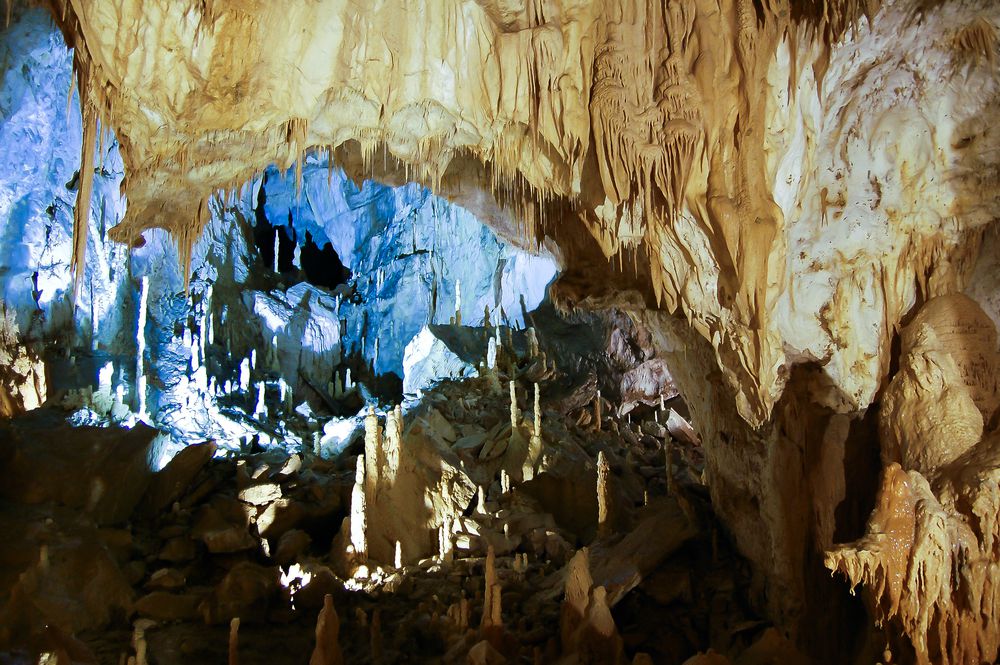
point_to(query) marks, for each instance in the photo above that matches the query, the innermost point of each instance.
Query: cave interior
(500, 331)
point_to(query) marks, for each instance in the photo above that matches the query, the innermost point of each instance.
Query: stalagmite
(359, 515)
(491, 625)
(277, 243)
(586, 626)
(373, 458)
(392, 444)
(458, 302)
(271, 358)
(446, 546)
(327, 650)
(234, 642)
(209, 326)
(104, 376)
(375, 640)
(669, 465)
(245, 375)
(520, 564)
(139, 642)
(534, 453)
(597, 411)
(603, 472)
(260, 408)
(515, 414)
(491, 355)
(532, 342)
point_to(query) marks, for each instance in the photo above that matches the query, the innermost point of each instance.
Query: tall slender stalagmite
(359, 515)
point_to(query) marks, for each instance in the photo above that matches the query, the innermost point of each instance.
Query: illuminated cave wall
(409, 252)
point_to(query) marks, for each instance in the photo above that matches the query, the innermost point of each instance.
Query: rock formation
(929, 553)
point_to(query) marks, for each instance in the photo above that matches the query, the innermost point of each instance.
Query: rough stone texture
(171, 482)
(928, 558)
(102, 472)
(22, 372)
(56, 571)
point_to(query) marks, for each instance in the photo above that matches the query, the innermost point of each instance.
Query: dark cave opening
(320, 266)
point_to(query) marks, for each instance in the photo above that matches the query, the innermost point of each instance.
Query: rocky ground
(466, 531)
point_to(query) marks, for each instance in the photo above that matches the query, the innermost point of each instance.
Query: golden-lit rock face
(791, 182)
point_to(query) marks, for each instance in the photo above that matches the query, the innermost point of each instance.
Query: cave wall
(40, 137)
(416, 258)
(388, 235)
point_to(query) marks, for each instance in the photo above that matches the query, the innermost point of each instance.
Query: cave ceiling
(791, 178)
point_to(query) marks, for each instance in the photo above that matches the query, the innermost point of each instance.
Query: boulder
(244, 592)
(166, 579)
(175, 479)
(165, 606)
(222, 526)
(260, 494)
(432, 356)
(178, 549)
(102, 472)
(279, 517)
(290, 546)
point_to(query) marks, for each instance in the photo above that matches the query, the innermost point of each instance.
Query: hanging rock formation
(929, 558)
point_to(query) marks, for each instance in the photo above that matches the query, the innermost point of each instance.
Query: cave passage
(320, 266)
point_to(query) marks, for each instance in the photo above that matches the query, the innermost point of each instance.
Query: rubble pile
(487, 524)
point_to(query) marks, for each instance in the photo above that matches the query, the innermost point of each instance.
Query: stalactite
(81, 212)
(603, 473)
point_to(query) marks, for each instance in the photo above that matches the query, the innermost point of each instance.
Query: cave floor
(158, 572)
